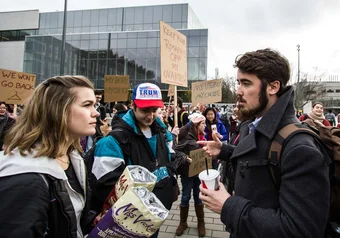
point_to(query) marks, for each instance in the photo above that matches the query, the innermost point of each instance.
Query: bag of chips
(136, 214)
(132, 176)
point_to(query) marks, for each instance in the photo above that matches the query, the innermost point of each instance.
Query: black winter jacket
(300, 207)
(137, 151)
(33, 209)
(34, 200)
(9, 123)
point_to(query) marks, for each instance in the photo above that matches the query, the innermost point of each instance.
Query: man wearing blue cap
(149, 145)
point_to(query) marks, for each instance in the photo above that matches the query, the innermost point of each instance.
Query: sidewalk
(213, 225)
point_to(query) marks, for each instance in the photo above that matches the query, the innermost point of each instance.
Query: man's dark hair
(179, 102)
(119, 107)
(267, 64)
(98, 92)
(315, 103)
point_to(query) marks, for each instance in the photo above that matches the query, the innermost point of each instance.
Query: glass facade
(113, 41)
(193, 21)
(116, 19)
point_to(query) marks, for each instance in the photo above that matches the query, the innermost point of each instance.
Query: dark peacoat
(299, 207)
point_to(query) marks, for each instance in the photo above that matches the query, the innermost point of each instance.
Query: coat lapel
(246, 145)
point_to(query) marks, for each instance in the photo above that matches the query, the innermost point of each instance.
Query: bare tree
(229, 89)
(310, 88)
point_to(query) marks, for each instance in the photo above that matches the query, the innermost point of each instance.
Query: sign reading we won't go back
(16, 87)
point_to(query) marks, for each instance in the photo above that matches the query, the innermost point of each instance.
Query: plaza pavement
(213, 225)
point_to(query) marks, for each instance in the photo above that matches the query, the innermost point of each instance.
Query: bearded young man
(299, 207)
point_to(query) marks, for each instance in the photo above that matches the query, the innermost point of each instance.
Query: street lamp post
(298, 80)
(62, 53)
(298, 49)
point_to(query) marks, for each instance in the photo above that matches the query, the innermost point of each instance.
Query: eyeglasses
(3, 108)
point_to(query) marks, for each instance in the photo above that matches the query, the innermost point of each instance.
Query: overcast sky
(238, 26)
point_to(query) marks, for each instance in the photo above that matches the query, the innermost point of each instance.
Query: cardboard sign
(198, 162)
(173, 46)
(171, 90)
(206, 92)
(16, 87)
(116, 88)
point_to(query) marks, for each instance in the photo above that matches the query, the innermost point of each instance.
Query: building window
(78, 18)
(94, 18)
(112, 66)
(54, 20)
(141, 53)
(132, 43)
(138, 15)
(86, 18)
(141, 43)
(103, 17)
(140, 69)
(157, 14)
(193, 51)
(167, 14)
(70, 19)
(9, 36)
(112, 17)
(148, 14)
(17, 35)
(129, 15)
(177, 13)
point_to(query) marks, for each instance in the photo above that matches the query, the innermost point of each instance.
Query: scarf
(315, 118)
(3, 122)
(201, 138)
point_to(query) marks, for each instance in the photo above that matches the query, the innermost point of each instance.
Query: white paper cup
(109, 120)
(209, 181)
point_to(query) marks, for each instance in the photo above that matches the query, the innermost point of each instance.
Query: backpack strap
(280, 139)
(181, 117)
(124, 138)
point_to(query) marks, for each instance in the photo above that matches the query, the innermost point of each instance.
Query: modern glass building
(114, 41)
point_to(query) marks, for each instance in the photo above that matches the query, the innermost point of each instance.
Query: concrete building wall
(19, 20)
(332, 90)
(12, 55)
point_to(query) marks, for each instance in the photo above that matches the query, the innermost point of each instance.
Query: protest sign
(171, 90)
(173, 46)
(116, 88)
(206, 92)
(16, 87)
(198, 162)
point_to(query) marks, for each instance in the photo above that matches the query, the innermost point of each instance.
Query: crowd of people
(44, 190)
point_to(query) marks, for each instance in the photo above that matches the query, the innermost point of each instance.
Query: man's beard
(248, 114)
